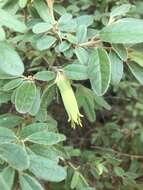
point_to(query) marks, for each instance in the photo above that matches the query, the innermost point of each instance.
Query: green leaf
(101, 102)
(85, 99)
(45, 75)
(49, 152)
(46, 138)
(119, 171)
(12, 84)
(71, 38)
(46, 169)
(33, 128)
(42, 27)
(136, 57)
(4, 97)
(137, 71)
(46, 42)
(23, 3)
(25, 97)
(121, 51)
(64, 46)
(12, 66)
(81, 33)
(99, 71)
(11, 22)
(7, 178)
(116, 68)
(43, 10)
(10, 120)
(36, 105)
(120, 10)
(125, 31)
(29, 183)
(76, 71)
(65, 18)
(46, 99)
(66, 23)
(2, 34)
(61, 10)
(14, 155)
(82, 55)
(86, 20)
(7, 135)
(74, 181)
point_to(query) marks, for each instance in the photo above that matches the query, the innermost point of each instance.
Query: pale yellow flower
(69, 99)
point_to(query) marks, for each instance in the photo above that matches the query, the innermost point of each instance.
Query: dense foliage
(71, 97)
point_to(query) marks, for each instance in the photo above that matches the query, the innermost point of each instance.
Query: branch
(117, 152)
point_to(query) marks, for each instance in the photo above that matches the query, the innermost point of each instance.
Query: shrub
(71, 109)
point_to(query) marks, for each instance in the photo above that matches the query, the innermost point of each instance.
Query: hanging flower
(69, 99)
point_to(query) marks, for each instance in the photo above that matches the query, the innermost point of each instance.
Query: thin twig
(117, 152)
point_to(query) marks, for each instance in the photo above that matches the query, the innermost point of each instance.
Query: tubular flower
(69, 100)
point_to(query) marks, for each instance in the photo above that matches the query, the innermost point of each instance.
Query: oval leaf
(45, 75)
(46, 138)
(45, 42)
(76, 72)
(137, 71)
(7, 178)
(11, 22)
(15, 155)
(7, 135)
(99, 71)
(29, 183)
(46, 169)
(116, 68)
(10, 62)
(25, 97)
(125, 31)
